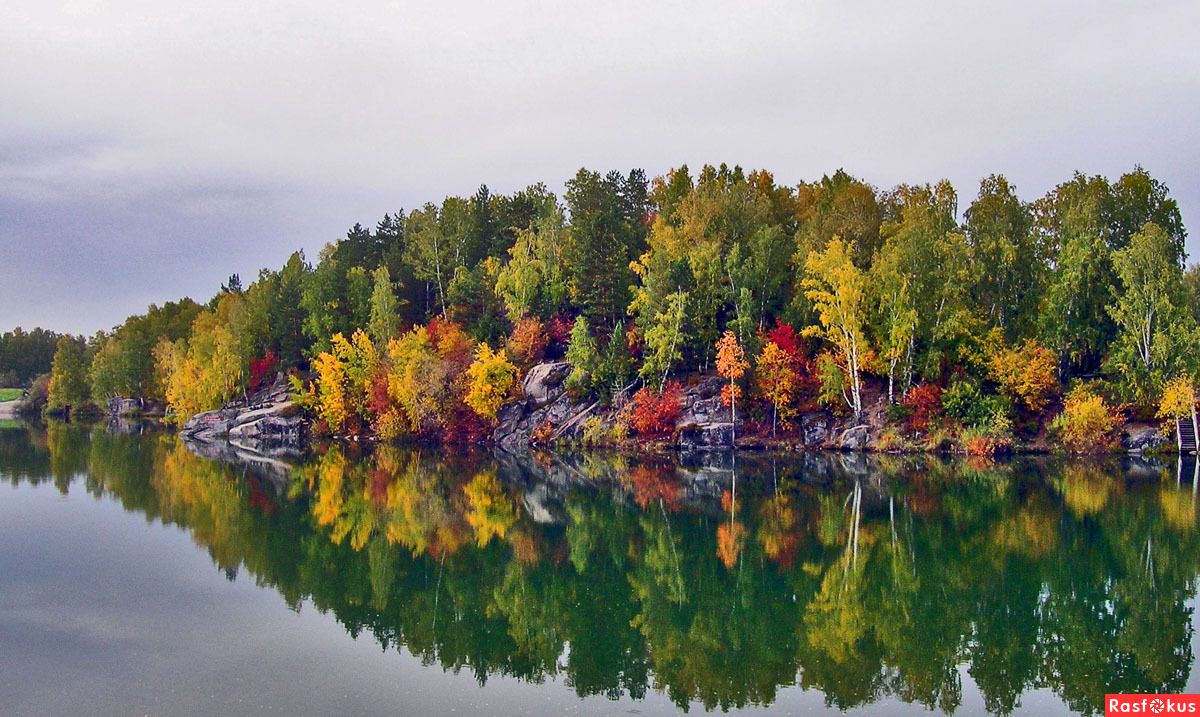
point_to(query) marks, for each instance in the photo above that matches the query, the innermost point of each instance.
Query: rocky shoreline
(268, 425)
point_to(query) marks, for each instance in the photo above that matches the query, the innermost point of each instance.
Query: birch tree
(837, 290)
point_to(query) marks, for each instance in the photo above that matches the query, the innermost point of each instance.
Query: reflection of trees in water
(862, 583)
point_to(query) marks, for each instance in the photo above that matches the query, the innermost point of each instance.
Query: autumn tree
(528, 342)
(490, 378)
(777, 380)
(343, 381)
(1027, 373)
(1178, 401)
(732, 365)
(835, 286)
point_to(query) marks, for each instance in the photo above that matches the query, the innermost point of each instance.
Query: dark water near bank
(139, 579)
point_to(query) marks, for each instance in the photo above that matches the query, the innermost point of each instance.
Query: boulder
(815, 428)
(855, 438)
(1143, 439)
(268, 422)
(543, 383)
(121, 407)
(706, 435)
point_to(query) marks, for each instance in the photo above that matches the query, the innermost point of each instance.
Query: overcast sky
(149, 148)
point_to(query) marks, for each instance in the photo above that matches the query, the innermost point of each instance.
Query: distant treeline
(25, 355)
(850, 283)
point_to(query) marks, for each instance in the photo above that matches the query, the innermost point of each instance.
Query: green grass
(10, 394)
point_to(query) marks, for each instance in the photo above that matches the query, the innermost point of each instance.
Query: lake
(138, 578)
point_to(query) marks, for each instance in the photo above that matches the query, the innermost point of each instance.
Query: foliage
(583, 359)
(596, 432)
(1087, 424)
(1155, 334)
(989, 438)
(490, 378)
(528, 341)
(776, 379)
(343, 381)
(261, 369)
(25, 355)
(68, 388)
(1088, 279)
(732, 365)
(923, 405)
(1027, 373)
(1178, 398)
(664, 340)
(966, 401)
(836, 288)
(653, 414)
(384, 322)
(415, 381)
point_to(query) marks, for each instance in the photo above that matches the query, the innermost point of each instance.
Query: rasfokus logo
(1151, 705)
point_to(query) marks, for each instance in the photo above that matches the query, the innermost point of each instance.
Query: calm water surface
(137, 578)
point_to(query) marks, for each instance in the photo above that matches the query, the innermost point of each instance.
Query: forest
(1062, 316)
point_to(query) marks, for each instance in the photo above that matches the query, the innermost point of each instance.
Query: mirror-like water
(139, 578)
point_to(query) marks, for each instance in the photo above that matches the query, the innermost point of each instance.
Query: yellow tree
(1178, 402)
(776, 379)
(731, 364)
(344, 374)
(490, 377)
(1027, 373)
(836, 288)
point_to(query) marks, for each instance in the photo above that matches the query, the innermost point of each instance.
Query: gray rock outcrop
(855, 438)
(545, 402)
(1139, 440)
(269, 424)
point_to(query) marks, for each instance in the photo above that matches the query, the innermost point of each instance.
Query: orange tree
(731, 364)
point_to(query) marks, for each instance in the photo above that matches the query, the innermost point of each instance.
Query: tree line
(828, 288)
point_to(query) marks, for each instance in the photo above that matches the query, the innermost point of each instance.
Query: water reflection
(861, 578)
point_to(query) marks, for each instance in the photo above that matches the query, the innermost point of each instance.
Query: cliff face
(704, 421)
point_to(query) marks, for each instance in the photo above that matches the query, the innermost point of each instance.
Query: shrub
(1087, 424)
(597, 433)
(541, 434)
(490, 378)
(654, 414)
(922, 404)
(261, 369)
(1027, 373)
(966, 402)
(528, 342)
(890, 441)
(989, 439)
(1178, 401)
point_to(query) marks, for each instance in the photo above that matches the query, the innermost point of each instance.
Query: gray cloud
(149, 149)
